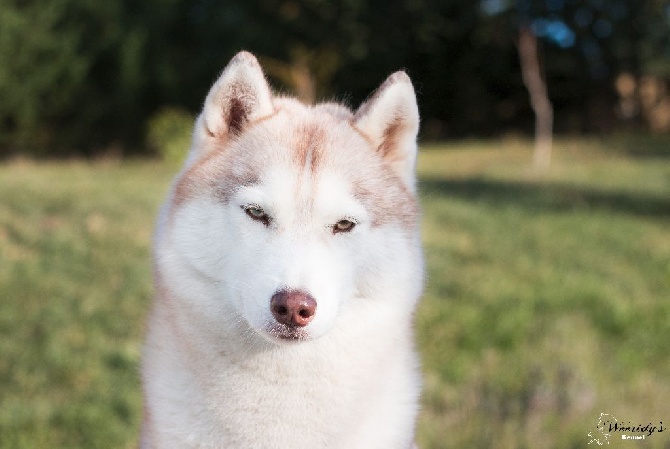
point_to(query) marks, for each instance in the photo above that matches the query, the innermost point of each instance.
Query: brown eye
(256, 213)
(343, 226)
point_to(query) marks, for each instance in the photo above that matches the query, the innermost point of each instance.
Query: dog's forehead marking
(308, 141)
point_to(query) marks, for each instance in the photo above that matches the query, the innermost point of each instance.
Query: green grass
(547, 300)
(74, 288)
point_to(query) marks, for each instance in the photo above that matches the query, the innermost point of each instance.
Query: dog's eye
(344, 225)
(256, 213)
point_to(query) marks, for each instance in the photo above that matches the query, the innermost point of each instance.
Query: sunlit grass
(547, 302)
(74, 286)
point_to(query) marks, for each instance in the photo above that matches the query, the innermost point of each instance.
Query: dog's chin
(282, 334)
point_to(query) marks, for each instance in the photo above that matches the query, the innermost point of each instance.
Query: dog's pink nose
(293, 307)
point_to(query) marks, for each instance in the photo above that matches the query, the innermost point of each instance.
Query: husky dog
(287, 270)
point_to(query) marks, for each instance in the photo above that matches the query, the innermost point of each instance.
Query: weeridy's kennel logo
(608, 426)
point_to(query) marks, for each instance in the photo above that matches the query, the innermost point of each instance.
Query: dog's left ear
(390, 118)
(241, 95)
(238, 98)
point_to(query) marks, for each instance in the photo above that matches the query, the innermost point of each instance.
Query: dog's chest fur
(298, 397)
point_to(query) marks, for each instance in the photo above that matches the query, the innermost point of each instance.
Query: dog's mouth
(287, 333)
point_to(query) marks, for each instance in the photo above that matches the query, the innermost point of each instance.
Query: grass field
(547, 300)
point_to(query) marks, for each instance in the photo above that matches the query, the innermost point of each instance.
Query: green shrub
(169, 134)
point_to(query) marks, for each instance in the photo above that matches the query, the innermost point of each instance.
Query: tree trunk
(295, 74)
(531, 72)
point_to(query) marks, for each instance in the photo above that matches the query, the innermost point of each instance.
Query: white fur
(214, 374)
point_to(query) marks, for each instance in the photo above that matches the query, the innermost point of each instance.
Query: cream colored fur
(217, 370)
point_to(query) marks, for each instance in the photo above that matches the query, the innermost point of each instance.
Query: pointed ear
(390, 118)
(241, 95)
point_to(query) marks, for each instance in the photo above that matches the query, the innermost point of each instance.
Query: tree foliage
(84, 76)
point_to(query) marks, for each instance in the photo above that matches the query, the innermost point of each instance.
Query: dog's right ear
(390, 119)
(240, 96)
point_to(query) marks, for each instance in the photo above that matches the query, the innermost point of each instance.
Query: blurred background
(544, 177)
(86, 77)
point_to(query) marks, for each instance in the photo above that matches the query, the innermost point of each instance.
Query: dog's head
(293, 214)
